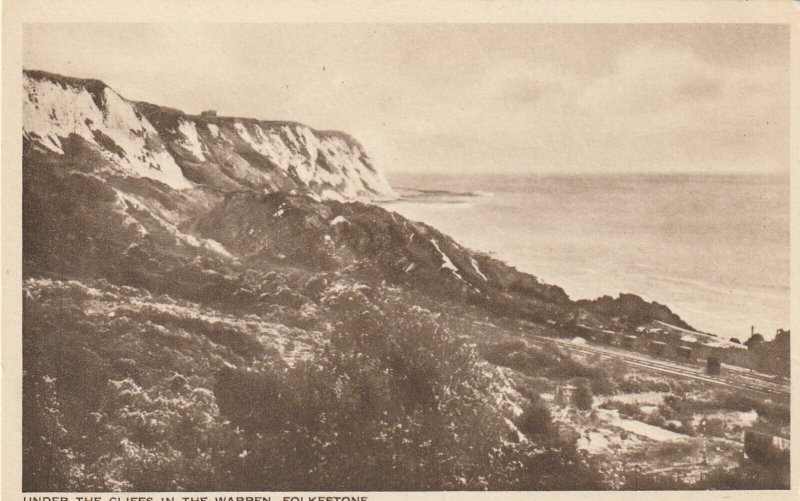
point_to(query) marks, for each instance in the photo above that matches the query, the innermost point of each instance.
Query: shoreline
(726, 307)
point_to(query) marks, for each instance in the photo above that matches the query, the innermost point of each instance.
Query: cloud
(660, 108)
(699, 88)
(523, 91)
(513, 97)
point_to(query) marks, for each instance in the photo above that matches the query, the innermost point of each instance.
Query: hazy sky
(522, 98)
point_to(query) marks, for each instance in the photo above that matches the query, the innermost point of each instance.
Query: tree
(735, 340)
(582, 398)
(754, 340)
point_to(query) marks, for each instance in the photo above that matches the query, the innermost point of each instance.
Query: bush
(633, 383)
(625, 409)
(746, 477)
(655, 418)
(562, 468)
(536, 420)
(392, 400)
(602, 385)
(686, 427)
(775, 412)
(498, 353)
(515, 354)
(629, 410)
(714, 427)
(643, 482)
(390, 403)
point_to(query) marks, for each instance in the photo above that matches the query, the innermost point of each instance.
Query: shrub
(536, 420)
(390, 403)
(686, 427)
(775, 412)
(714, 427)
(644, 482)
(633, 383)
(602, 385)
(747, 476)
(630, 410)
(744, 477)
(498, 353)
(393, 400)
(625, 409)
(557, 468)
(655, 418)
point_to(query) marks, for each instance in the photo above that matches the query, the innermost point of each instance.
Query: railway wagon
(657, 347)
(713, 365)
(607, 336)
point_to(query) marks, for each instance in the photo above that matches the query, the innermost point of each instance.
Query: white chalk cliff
(79, 118)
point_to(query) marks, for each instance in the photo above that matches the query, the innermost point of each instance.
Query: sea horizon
(713, 247)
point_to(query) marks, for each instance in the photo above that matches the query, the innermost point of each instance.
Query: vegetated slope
(75, 126)
(186, 330)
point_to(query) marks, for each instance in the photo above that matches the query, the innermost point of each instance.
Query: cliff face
(67, 116)
(254, 194)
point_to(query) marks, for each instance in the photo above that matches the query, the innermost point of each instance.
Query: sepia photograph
(373, 257)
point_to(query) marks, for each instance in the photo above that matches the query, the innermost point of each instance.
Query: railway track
(735, 381)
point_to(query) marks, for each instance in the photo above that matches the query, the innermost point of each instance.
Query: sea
(714, 248)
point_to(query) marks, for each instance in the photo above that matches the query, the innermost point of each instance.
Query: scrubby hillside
(207, 307)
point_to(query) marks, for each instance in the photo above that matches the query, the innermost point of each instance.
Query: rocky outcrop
(632, 310)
